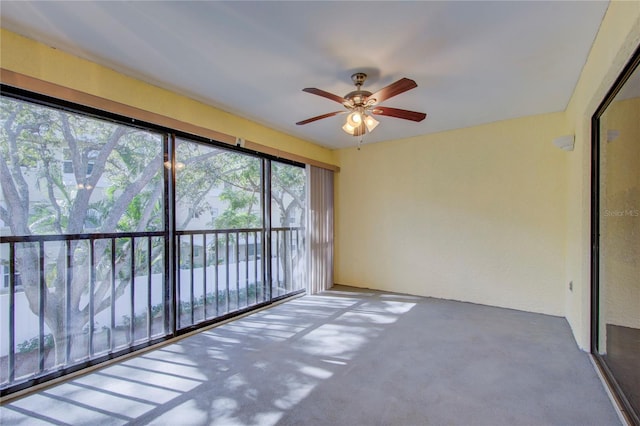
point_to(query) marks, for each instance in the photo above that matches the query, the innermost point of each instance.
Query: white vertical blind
(320, 229)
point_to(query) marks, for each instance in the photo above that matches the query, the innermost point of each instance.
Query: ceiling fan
(362, 104)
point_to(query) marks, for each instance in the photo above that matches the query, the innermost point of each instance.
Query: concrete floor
(346, 357)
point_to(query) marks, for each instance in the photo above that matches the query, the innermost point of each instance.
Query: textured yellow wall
(34, 59)
(475, 214)
(618, 37)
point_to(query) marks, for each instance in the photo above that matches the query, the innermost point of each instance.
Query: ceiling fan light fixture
(371, 123)
(348, 128)
(354, 119)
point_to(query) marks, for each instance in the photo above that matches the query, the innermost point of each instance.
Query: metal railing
(85, 298)
(220, 272)
(70, 284)
(288, 249)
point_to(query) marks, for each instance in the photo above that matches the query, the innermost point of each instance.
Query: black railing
(287, 244)
(67, 281)
(223, 273)
(77, 300)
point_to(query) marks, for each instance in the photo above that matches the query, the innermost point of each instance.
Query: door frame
(634, 64)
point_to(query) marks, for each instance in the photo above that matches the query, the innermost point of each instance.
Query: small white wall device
(565, 143)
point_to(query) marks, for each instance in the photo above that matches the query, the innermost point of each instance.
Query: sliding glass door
(219, 229)
(288, 215)
(114, 237)
(616, 226)
(83, 245)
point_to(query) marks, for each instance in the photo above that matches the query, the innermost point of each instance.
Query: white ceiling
(474, 62)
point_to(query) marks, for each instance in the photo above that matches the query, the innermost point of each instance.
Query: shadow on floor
(344, 357)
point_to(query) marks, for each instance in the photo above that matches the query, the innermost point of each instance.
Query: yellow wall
(33, 59)
(474, 214)
(618, 37)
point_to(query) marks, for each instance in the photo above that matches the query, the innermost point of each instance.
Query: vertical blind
(320, 225)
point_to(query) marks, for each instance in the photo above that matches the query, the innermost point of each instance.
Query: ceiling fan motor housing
(359, 78)
(358, 97)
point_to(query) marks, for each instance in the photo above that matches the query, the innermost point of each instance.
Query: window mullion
(266, 214)
(170, 315)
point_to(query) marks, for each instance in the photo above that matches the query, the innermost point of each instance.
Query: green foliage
(186, 307)
(140, 319)
(288, 192)
(36, 141)
(33, 344)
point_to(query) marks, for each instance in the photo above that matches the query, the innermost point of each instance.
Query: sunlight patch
(168, 367)
(334, 340)
(187, 413)
(297, 392)
(121, 388)
(60, 412)
(388, 306)
(161, 380)
(364, 317)
(268, 419)
(234, 382)
(316, 372)
(334, 361)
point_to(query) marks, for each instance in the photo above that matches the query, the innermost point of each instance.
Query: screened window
(114, 237)
(83, 247)
(288, 218)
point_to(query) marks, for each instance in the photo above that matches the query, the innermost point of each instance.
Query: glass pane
(72, 174)
(619, 220)
(288, 201)
(77, 296)
(216, 188)
(219, 195)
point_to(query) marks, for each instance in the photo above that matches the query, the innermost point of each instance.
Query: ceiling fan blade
(324, 94)
(399, 113)
(319, 117)
(393, 89)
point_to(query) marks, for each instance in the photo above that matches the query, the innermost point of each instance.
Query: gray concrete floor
(345, 357)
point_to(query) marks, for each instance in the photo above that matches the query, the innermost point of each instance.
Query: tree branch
(4, 214)
(14, 160)
(131, 191)
(203, 157)
(51, 195)
(148, 209)
(14, 184)
(18, 216)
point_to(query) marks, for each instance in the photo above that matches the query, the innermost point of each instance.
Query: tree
(241, 190)
(36, 144)
(239, 175)
(288, 192)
